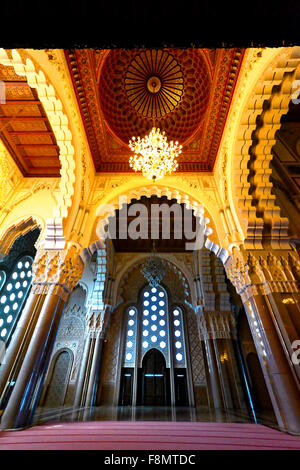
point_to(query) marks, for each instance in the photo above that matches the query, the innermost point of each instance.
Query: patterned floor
(148, 435)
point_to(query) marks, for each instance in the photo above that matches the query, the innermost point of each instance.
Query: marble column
(226, 385)
(98, 323)
(214, 374)
(56, 272)
(16, 414)
(266, 279)
(94, 374)
(236, 379)
(281, 382)
(17, 346)
(82, 373)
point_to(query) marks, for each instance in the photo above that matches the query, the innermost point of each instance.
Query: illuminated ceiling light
(153, 269)
(153, 155)
(288, 300)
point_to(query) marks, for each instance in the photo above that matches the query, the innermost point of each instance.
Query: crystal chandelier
(153, 270)
(153, 155)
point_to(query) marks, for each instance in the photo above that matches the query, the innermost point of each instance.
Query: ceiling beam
(21, 102)
(39, 157)
(23, 118)
(44, 146)
(30, 133)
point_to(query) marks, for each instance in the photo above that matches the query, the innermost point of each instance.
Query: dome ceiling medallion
(197, 122)
(154, 83)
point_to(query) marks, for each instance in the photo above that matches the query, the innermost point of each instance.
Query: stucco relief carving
(10, 177)
(216, 325)
(57, 60)
(111, 353)
(254, 273)
(56, 271)
(71, 330)
(197, 361)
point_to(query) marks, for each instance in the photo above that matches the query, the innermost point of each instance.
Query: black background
(148, 23)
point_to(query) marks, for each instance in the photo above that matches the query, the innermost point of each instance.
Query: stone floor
(141, 413)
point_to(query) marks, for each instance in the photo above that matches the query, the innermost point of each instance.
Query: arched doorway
(154, 380)
(56, 391)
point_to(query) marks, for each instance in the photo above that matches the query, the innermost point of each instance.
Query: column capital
(261, 272)
(56, 271)
(216, 325)
(97, 321)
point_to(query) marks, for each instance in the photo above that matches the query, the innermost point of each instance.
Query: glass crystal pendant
(153, 270)
(153, 155)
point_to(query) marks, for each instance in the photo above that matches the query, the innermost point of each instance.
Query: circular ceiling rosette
(169, 86)
(154, 83)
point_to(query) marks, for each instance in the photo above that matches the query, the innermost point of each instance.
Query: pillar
(56, 272)
(17, 346)
(214, 374)
(82, 372)
(281, 383)
(94, 374)
(259, 276)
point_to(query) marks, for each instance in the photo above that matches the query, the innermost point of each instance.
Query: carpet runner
(137, 435)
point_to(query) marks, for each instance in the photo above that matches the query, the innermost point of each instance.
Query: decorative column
(205, 335)
(19, 343)
(55, 274)
(97, 325)
(224, 326)
(97, 322)
(217, 329)
(268, 282)
(82, 374)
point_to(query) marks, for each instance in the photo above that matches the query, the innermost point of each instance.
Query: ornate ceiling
(25, 129)
(123, 93)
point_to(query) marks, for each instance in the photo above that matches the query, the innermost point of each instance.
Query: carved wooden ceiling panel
(25, 129)
(185, 92)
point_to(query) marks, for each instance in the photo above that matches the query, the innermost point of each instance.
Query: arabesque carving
(56, 271)
(257, 272)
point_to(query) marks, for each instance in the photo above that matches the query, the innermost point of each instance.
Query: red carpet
(152, 435)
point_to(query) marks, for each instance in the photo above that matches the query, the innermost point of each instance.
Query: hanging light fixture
(153, 155)
(153, 269)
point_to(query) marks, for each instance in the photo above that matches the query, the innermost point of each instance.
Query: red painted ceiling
(191, 106)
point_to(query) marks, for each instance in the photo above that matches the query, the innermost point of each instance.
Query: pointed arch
(21, 227)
